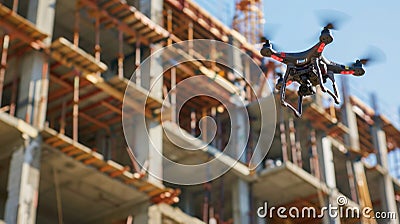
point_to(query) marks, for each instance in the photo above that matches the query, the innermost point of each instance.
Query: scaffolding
(62, 93)
(249, 19)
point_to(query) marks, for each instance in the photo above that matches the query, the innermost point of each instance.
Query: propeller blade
(331, 19)
(269, 33)
(271, 30)
(374, 55)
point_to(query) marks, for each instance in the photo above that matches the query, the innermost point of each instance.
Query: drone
(310, 69)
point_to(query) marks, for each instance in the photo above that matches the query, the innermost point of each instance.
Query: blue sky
(371, 23)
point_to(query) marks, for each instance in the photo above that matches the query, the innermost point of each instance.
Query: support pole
(62, 119)
(14, 91)
(15, 6)
(247, 73)
(350, 175)
(41, 108)
(169, 25)
(298, 148)
(193, 123)
(315, 169)
(292, 137)
(190, 38)
(77, 22)
(206, 202)
(97, 48)
(332, 110)
(173, 95)
(138, 61)
(75, 110)
(120, 54)
(3, 63)
(204, 126)
(283, 139)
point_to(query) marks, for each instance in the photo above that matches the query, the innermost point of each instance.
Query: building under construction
(65, 66)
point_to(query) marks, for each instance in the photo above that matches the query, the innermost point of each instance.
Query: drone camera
(306, 90)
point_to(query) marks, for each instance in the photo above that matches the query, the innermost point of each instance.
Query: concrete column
(148, 144)
(349, 119)
(240, 125)
(33, 87)
(155, 153)
(328, 165)
(153, 9)
(23, 183)
(327, 170)
(241, 202)
(234, 58)
(387, 194)
(240, 189)
(239, 134)
(154, 80)
(235, 62)
(143, 217)
(186, 201)
(153, 138)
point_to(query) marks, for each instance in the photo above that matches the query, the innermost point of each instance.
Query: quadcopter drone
(310, 69)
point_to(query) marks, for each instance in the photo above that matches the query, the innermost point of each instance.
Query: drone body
(310, 69)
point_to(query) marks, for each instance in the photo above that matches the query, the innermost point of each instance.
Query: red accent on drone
(350, 72)
(289, 82)
(277, 58)
(283, 54)
(321, 47)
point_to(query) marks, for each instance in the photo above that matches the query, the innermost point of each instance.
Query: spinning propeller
(374, 55)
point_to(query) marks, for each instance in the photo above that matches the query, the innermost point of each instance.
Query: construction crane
(249, 19)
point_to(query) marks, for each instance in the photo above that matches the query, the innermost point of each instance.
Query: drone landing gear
(282, 85)
(335, 93)
(299, 106)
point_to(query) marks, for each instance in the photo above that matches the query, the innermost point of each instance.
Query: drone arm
(356, 69)
(268, 51)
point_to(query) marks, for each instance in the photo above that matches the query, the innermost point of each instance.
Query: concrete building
(65, 66)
